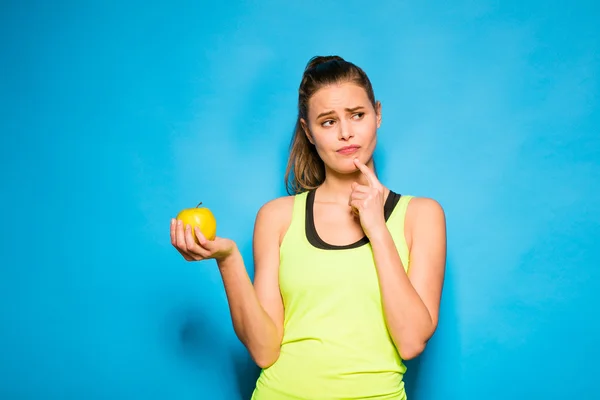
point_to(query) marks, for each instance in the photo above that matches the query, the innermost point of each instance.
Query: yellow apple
(201, 217)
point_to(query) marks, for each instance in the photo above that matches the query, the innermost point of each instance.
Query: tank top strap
(299, 210)
(296, 230)
(395, 225)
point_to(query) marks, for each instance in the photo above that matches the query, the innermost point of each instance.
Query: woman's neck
(337, 187)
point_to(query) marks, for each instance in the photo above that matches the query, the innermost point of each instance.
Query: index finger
(371, 178)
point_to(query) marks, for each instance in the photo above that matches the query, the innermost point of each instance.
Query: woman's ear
(378, 112)
(306, 130)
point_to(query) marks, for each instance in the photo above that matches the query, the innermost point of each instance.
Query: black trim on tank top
(311, 232)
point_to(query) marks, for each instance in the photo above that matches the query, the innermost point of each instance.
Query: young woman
(348, 273)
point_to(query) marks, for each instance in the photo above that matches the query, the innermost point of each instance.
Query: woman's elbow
(265, 359)
(413, 350)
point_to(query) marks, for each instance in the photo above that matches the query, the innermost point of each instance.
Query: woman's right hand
(183, 240)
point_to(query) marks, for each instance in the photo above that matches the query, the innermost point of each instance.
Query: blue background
(114, 116)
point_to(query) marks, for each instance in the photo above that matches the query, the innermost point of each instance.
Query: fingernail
(172, 221)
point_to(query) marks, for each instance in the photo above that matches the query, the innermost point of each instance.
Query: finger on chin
(361, 188)
(371, 178)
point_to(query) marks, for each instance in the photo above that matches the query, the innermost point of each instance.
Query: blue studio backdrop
(116, 115)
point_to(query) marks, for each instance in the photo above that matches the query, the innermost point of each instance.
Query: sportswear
(336, 344)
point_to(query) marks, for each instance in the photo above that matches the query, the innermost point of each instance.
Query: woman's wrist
(229, 259)
(379, 234)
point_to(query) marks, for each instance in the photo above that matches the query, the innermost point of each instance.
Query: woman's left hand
(368, 201)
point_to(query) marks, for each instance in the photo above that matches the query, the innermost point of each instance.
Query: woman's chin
(345, 168)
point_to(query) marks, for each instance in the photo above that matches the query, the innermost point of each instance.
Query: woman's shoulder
(277, 210)
(421, 209)
(417, 204)
(277, 207)
(275, 216)
(424, 204)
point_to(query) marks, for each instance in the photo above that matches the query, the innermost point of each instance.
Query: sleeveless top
(336, 344)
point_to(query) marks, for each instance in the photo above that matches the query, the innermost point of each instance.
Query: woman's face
(342, 124)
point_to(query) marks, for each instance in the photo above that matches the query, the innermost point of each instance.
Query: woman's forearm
(408, 319)
(251, 323)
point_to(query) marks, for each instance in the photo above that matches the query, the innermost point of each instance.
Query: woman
(334, 308)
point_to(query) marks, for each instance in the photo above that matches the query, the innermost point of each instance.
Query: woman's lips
(347, 150)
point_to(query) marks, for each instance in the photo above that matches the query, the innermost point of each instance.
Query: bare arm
(256, 310)
(411, 301)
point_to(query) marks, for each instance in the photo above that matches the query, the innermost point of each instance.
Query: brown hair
(305, 169)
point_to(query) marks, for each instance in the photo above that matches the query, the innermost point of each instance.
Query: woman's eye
(327, 123)
(358, 115)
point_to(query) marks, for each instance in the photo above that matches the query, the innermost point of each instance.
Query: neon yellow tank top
(335, 344)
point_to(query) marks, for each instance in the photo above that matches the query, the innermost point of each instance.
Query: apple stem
(198, 204)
